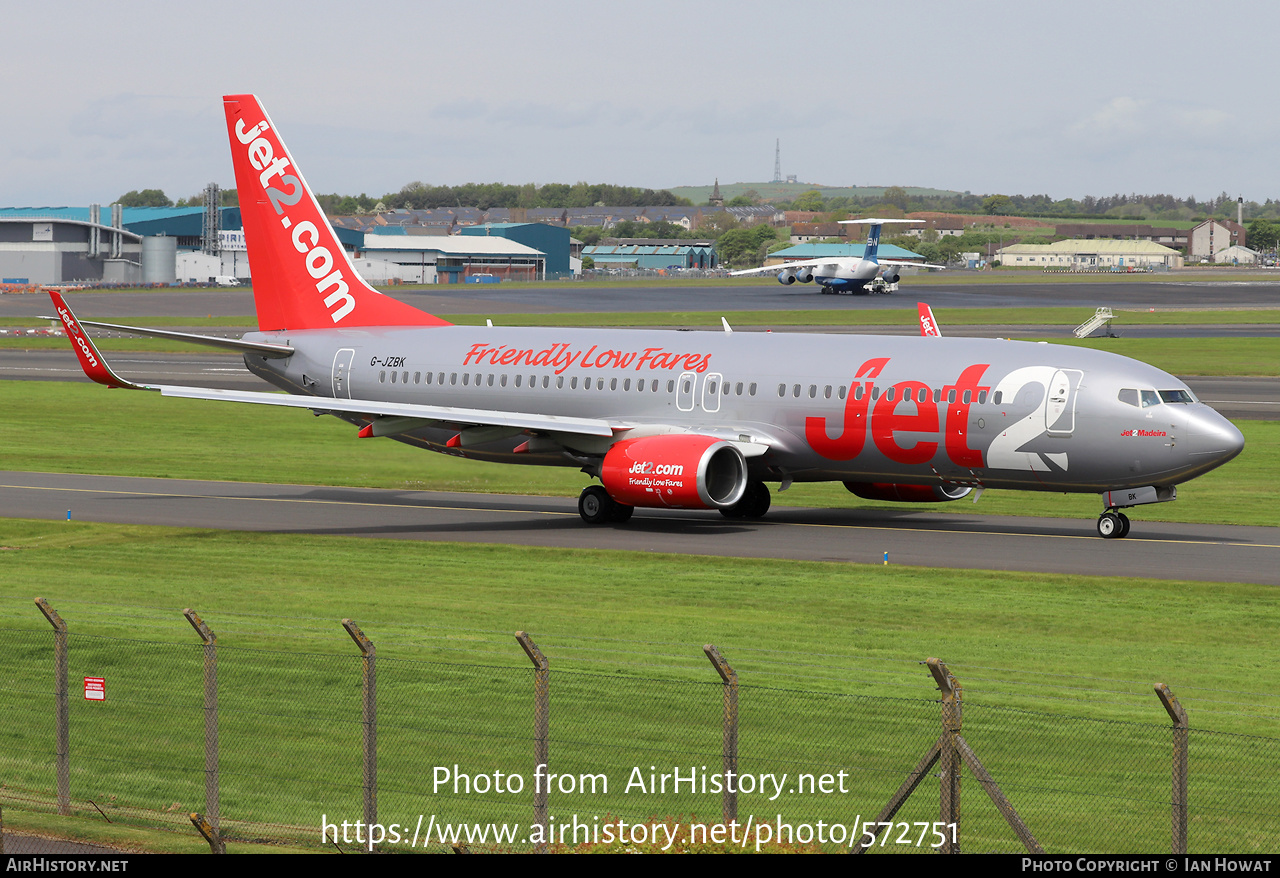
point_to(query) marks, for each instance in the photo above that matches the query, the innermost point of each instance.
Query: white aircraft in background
(851, 274)
(686, 420)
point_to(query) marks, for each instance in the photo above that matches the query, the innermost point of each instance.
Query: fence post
(210, 730)
(730, 678)
(952, 695)
(541, 731)
(369, 717)
(1180, 734)
(60, 704)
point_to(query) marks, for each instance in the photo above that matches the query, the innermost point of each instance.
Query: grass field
(1057, 673)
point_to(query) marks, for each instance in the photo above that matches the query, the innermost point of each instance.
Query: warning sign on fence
(95, 688)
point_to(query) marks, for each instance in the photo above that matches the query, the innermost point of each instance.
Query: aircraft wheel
(622, 513)
(1124, 524)
(1111, 526)
(595, 505)
(758, 499)
(754, 503)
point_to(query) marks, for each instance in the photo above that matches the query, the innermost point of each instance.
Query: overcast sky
(1068, 99)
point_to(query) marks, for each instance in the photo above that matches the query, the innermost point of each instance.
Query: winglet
(928, 326)
(90, 360)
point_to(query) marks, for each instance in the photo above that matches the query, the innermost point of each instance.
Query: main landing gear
(1113, 525)
(754, 502)
(597, 507)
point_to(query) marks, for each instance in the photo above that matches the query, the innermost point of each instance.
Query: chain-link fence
(311, 748)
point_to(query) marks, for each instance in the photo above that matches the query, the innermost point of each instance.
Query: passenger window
(889, 393)
(738, 389)
(626, 384)
(857, 392)
(417, 377)
(951, 396)
(937, 395)
(429, 377)
(922, 395)
(518, 377)
(559, 382)
(996, 397)
(502, 379)
(968, 397)
(490, 382)
(712, 388)
(982, 397)
(382, 377)
(752, 389)
(393, 377)
(466, 378)
(795, 391)
(782, 390)
(613, 383)
(546, 381)
(813, 391)
(573, 383)
(724, 388)
(826, 392)
(671, 386)
(842, 391)
(599, 384)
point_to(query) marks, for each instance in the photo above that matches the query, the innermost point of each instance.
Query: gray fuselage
(981, 412)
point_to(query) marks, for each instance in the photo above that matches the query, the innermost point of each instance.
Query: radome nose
(1212, 437)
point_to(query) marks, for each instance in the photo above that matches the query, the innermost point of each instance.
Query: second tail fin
(302, 278)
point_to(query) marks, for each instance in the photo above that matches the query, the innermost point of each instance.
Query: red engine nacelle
(906, 493)
(680, 470)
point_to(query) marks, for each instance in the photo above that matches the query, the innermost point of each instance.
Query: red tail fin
(302, 278)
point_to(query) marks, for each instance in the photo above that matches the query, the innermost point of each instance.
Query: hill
(788, 191)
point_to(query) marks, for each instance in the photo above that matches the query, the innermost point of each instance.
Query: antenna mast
(777, 161)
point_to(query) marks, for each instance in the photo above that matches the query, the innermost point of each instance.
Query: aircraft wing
(232, 344)
(429, 415)
(96, 367)
(783, 266)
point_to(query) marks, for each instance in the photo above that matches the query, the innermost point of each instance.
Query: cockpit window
(1129, 396)
(1185, 396)
(1149, 398)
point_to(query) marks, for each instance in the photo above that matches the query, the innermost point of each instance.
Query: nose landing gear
(1113, 525)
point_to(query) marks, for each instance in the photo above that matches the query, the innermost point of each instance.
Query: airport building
(96, 245)
(654, 254)
(1098, 254)
(447, 259)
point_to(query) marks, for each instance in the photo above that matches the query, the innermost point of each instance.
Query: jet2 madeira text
(698, 420)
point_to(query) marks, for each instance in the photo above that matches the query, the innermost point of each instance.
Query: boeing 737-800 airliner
(698, 420)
